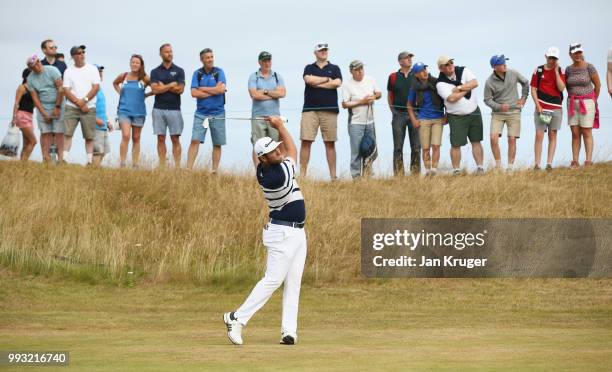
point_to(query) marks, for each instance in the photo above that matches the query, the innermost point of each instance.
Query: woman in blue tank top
(132, 111)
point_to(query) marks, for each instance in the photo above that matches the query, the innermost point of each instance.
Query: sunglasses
(450, 63)
(53, 47)
(322, 46)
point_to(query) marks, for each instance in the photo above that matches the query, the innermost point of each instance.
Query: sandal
(574, 164)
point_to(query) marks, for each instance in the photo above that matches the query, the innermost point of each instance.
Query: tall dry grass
(126, 225)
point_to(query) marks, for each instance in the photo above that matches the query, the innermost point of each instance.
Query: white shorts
(586, 120)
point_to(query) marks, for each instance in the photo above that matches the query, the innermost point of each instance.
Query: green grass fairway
(428, 324)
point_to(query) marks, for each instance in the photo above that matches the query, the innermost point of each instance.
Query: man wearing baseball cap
(266, 88)
(502, 97)
(398, 86)
(358, 96)
(424, 99)
(455, 85)
(283, 236)
(81, 84)
(322, 80)
(547, 85)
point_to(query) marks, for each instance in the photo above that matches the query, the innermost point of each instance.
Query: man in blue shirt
(322, 78)
(167, 83)
(208, 87)
(266, 88)
(423, 97)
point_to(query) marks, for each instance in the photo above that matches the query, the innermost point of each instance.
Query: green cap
(265, 56)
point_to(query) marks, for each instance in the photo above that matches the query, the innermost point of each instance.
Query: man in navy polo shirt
(208, 87)
(49, 48)
(322, 78)
(167, 83)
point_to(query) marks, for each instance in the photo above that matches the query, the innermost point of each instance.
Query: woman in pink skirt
(22, 116)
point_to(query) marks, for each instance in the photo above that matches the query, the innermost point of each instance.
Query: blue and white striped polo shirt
(282, 191)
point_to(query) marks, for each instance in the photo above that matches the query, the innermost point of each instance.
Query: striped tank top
(282, 191)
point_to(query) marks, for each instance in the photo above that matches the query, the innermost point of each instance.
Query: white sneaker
(234, 329)
(288, 338)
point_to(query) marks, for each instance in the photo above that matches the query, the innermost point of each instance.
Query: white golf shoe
(288, 338)
(234, 328)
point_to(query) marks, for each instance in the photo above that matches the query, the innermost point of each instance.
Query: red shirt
(548, 85)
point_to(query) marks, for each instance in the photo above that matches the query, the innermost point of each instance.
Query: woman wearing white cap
(547, 86)
(583, 87)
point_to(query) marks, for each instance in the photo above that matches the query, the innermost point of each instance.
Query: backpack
(392, 80)
(540, 73)
(215, 74)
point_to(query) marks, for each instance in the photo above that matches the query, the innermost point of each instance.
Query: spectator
(358, 96)
(583, 87)
(547, 85)
(609, 75)
(266, 88)
(22, 115)
(423, 97)
(81, 84)
(322, 78)
(208, 87)
(52, 58)
(455, 85)
(103, 125)
(502, 97)
(398, 86)
(45, 86)
(131, 112)
(167, 83)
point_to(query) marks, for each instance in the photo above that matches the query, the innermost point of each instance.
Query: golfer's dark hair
(163, 46)
(43, 45)
(204, 51)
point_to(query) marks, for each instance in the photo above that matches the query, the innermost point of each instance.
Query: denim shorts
(136, 121)
(167, 121)
(217, 130)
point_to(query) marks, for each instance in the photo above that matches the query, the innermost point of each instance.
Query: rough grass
(128, 226)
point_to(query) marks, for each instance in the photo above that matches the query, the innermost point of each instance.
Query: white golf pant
(285, 263)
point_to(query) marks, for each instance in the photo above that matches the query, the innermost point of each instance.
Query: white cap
(444, 59)
(265, 145)
(575, 47)
(321, 46)
(552, 52)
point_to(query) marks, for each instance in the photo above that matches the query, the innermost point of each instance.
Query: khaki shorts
(101, 145)
(586, 120)
(312, 120)
(260, 129)
(430, 133)
(72, 117)
(512, 121)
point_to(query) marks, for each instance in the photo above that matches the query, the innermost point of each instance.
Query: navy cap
(418, 67)
(497, 60)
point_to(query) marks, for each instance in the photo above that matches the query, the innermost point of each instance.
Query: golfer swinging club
(283, 236)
